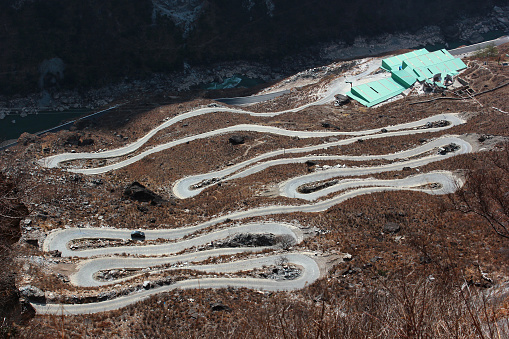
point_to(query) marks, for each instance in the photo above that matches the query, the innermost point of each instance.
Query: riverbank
(39, 111)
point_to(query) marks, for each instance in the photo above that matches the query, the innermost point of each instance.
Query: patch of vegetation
(489, 51)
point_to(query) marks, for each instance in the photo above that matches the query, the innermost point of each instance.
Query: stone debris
(391, 227)
(452, 147)
(32, 293)
(138, 192)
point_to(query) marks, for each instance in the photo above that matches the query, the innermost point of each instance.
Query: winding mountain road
(446, 181)
(101, 259)
(310, 273)
(337, 86)
(411, 128)
(290, 187)
(186, 187)
(59, 240)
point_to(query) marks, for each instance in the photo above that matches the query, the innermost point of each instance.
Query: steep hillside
(104, 41)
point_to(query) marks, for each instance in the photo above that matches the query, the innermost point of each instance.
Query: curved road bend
(54, 161)
(310, 272)
(59, 240)
(183, 188)
(447, 181)
(290, 187)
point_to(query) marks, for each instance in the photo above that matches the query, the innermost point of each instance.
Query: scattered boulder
(452, 147)
(329, 125)
(95, 182)
(27, 311)
(236, 140)
(72, 140)
(341, 100)
(27, 138)
(32, 241)
(439, 123)
(63, 278)
(86, 142)
(485, 137)
(76, 140)
(55, 253)
(138, 192)
(32, 293)
(248, 239)
(310, 163)
(220, 307)
(351, 270)
(425, 259)
(391, 227)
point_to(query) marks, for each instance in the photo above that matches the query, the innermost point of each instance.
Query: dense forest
(106, 40)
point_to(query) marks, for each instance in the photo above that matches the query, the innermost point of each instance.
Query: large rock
(138, 192)
(248, 239)
(236, 140)
(220, 307)
(391, 227)
(86, 142)
(75, 140)
(32, 293)
(27, 138)
(341, 99)
(27, 311)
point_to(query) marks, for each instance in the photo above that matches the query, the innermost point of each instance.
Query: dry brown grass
(385, 291)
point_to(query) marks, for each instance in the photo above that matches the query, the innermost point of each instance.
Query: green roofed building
(395, 62)
(404, 78)
(427, 65)
(406, 69)
(376, 92)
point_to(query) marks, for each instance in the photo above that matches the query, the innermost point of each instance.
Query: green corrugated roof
(394, 62)
(441, 61)
(404, 78)
(416, 65)
(376, 92)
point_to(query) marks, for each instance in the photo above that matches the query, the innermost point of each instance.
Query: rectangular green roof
(394, 62)
(405, 70)
(427, 65)
(404, 78)
(376, 92)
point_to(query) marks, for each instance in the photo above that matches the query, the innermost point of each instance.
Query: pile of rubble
(313, 187)
(436, 124)
(280, 272)
(247, 240)
(110, 275)
(452, 147)
(205, 183)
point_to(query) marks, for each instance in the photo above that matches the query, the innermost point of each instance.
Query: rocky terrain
(385, 257)
(170, 52)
